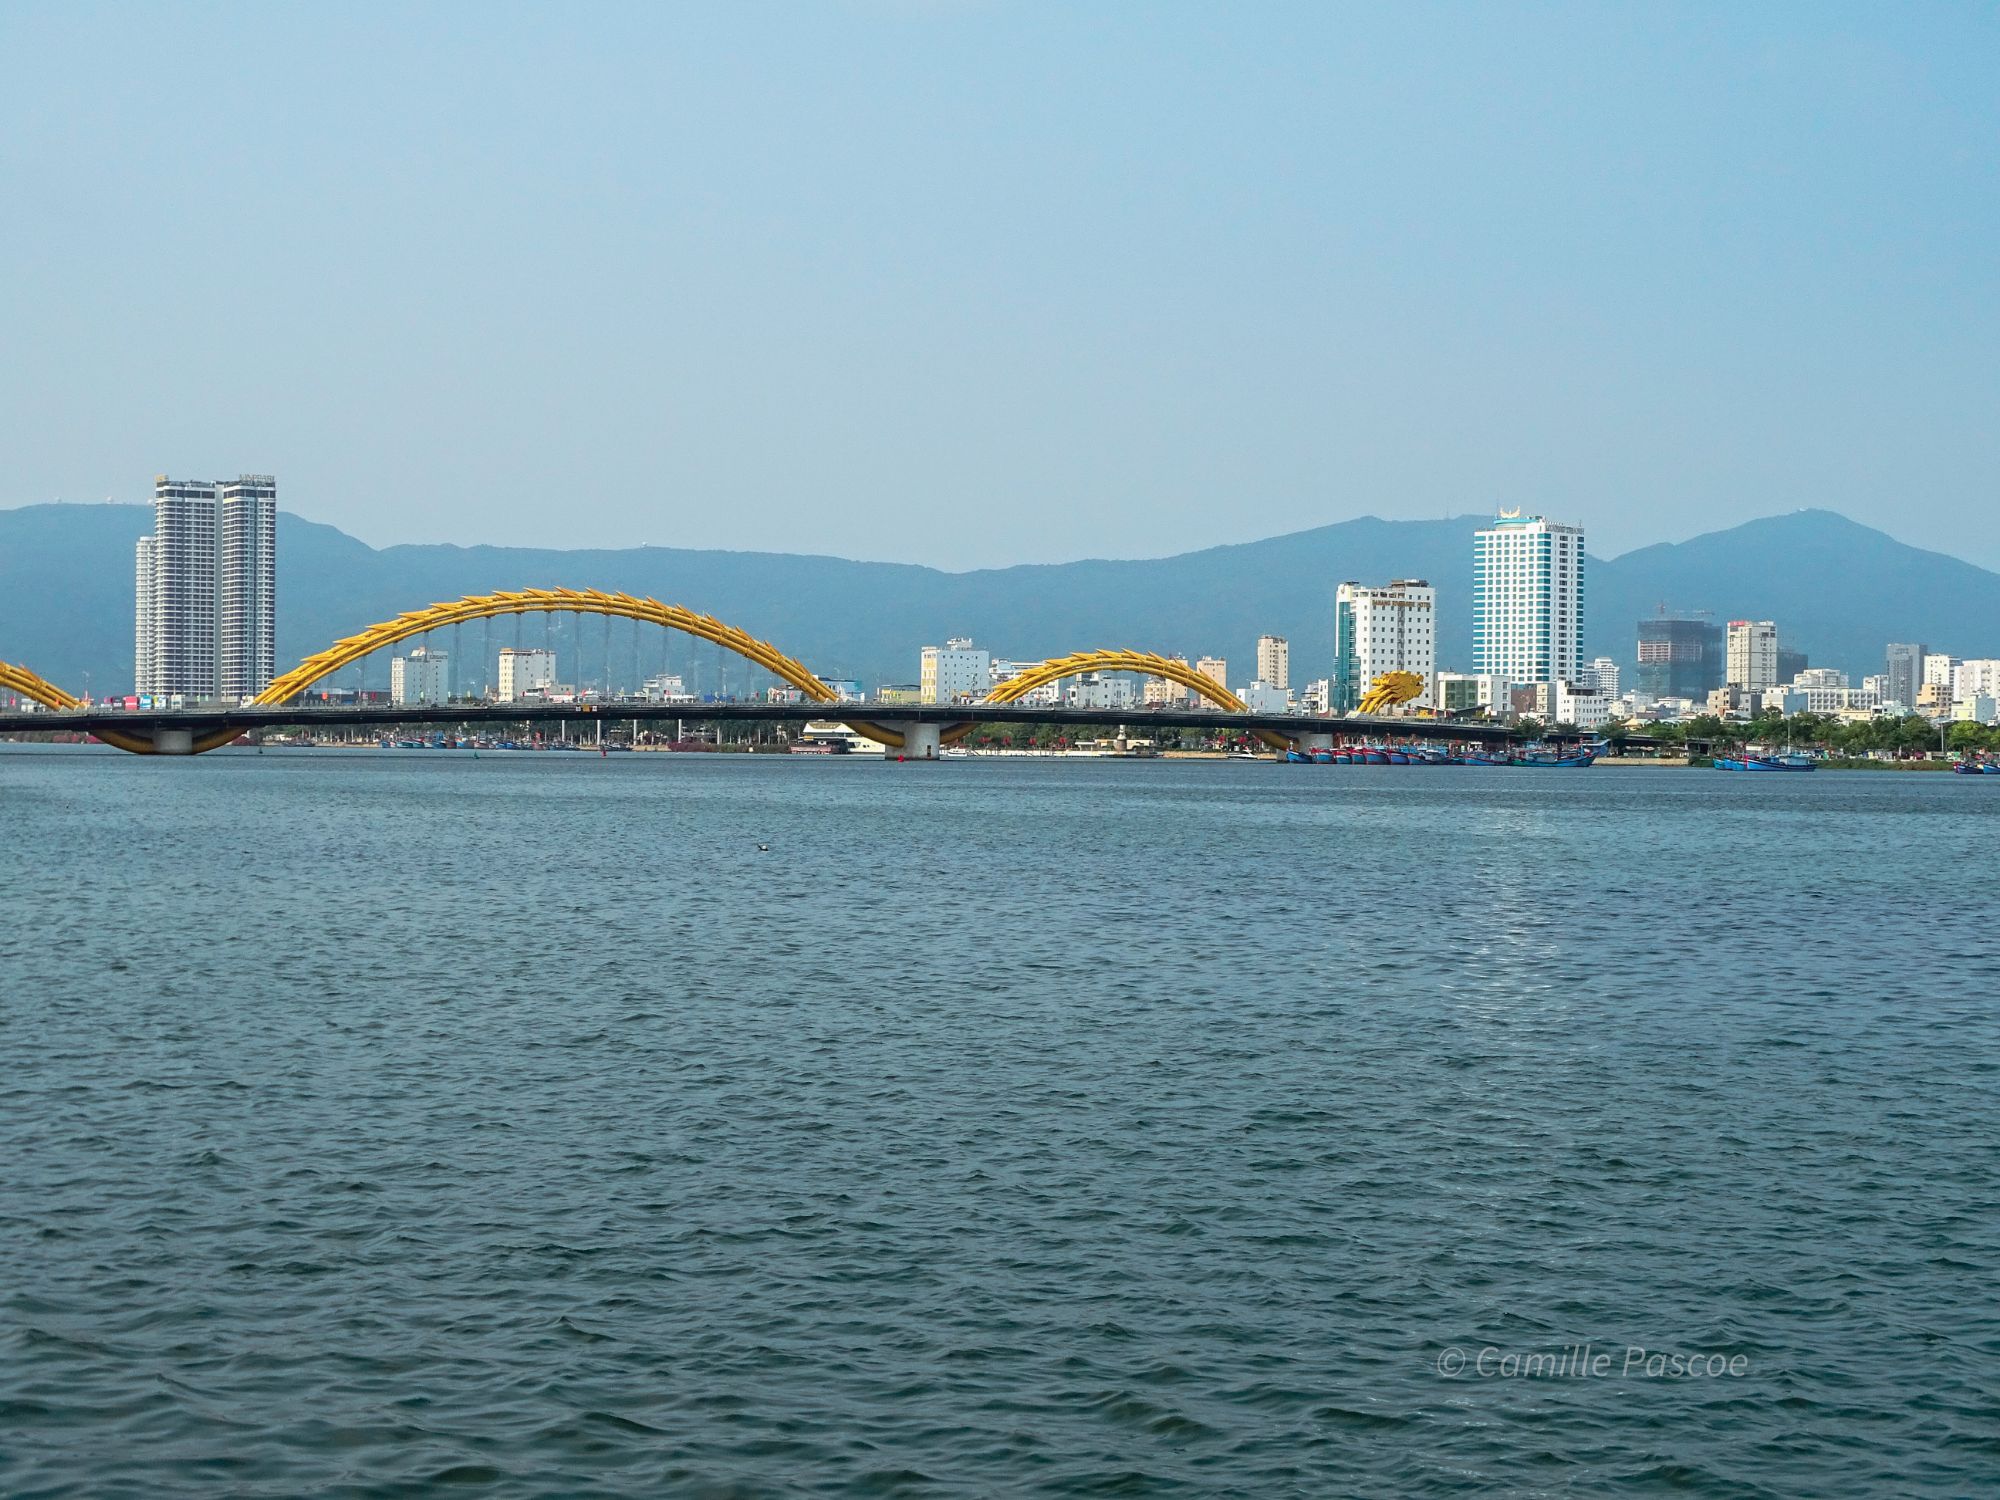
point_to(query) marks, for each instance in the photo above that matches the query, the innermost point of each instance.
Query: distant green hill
(1838, 590)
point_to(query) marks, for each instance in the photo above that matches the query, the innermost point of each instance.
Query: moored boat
(1786, 762)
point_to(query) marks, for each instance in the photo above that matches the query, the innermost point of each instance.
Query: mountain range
(1838, 590)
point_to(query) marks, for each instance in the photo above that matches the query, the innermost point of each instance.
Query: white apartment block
(955, 672)
(182, 600)
(1462, 692)
(1752, 654)
(1099, 690)
(205, 589)
(1274, 660)
(1377, 630)
(1585, 707)
(1265, 698)
(1977, 677)
(1600, 673)
(1527, 599)
(420, 679)
(247, 588)
(524, 671)
(142, 632)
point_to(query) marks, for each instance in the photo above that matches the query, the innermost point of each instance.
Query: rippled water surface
(373, 1121)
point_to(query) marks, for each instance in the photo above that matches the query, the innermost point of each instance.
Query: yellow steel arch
(1388, 690)
(1058, 667)
(545, 601)
(29, 685)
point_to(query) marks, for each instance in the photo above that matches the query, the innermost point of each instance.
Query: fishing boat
(1297, 758)
(1786, 762)
(1978, 768)
(1553, 760)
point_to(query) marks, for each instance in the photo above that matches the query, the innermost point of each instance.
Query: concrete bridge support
(920, 742)
(173, 742)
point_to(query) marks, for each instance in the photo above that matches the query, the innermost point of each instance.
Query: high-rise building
(1215, 669)
(1938, 667)
(1753, 654)
(1600, 673)
(524, 671)
(423, 677)
(955, 672)
(1791, 663)
(1679, 658)
(1527, 599)
(1274, 661)
(205, 589)
(1905, 672)
(182, 599)
(248, 583)
(142, 633)
(1377, 630)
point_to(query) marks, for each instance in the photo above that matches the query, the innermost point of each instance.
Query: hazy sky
(971, 284)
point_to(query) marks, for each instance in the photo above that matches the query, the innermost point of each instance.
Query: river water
(372, 1121)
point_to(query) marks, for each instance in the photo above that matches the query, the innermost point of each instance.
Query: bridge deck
(1137, 720)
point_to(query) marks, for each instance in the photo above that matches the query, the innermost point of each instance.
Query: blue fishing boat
(1553, 760)
(1978, 768)
(1787, 762)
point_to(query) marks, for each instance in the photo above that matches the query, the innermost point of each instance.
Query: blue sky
(972, 284)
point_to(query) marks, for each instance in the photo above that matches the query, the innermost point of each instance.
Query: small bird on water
(763, 848)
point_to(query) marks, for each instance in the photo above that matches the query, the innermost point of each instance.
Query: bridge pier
(173, 742)
(1316, 740)
(920, 742)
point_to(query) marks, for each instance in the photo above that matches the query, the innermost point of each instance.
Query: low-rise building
(523, 671)
(423, 677)
(1265, 698)
(1465, 692)
(1099, 690)
(667, 687)
(956, 672)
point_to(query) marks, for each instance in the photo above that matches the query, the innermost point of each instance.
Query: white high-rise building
(525, 670)
(142, 634)
(1215, 669)
(421, 678)
(955, 672)
(1377, 630)
(182, 599)
(248, 583)
(1601, 673)
(1274, 660)
(1527, 599)
(1752, 654)
(205, 589)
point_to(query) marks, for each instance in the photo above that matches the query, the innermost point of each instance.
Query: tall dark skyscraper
(1679, 658)
(1906, 672)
